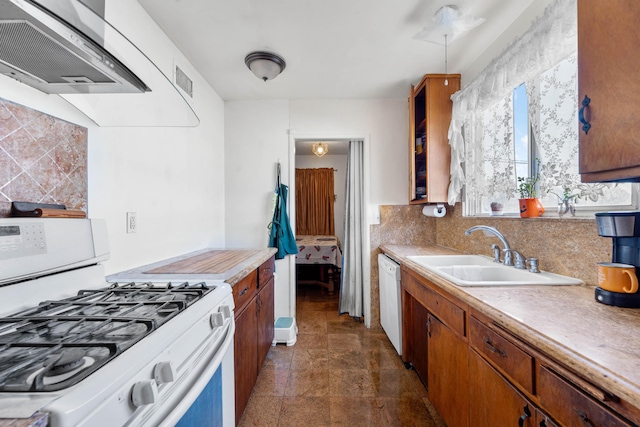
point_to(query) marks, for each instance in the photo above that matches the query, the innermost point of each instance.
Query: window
(534, 131)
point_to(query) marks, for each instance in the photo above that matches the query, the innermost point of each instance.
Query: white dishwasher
(390, 301)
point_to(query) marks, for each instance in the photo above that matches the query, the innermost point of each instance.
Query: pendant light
(265, 65)
(320, 148)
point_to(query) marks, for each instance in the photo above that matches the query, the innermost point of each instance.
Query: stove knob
(225, 310)
(144, 393)
(164, 373)
(217, 320)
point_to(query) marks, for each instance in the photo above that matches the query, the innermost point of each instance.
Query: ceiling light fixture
(448, 20)
(265, 65)
(320, 148)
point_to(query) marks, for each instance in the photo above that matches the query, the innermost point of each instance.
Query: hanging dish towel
(281, 236)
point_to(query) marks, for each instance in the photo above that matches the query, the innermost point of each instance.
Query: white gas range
(91, 353)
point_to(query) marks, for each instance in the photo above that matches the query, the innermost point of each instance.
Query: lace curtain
(551, 38)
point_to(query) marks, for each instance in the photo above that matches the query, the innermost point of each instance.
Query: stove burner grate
(46, 348)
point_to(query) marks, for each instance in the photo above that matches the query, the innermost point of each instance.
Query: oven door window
(207, 408)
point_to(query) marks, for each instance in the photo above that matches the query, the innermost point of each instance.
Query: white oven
(91, 353)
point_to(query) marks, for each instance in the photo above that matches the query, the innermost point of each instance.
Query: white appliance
(90, 353)
(390, 300)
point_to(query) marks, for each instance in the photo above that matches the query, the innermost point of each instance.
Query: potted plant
(529, 204)
(496, 208)
(566, 203)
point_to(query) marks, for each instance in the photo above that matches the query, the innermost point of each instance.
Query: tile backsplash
(570, 247)
(42, 159)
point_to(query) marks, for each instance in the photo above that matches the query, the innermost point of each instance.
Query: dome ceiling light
(265, 65)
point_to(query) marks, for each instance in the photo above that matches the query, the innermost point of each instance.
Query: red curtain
(314, 202)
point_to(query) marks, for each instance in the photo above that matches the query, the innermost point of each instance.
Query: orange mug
(615, 277)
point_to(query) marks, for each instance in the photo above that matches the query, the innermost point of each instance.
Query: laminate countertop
(599, 342)
(223, 265)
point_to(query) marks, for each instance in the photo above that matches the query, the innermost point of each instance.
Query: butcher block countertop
(228, 265)
(600, 342)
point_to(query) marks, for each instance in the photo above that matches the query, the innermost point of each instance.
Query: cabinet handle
(523, 417)
(583, 417)
(493, 348)
(244, 291)
(585, 124)
(428, 325)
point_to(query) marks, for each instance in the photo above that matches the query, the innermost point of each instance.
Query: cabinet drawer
(445, 310)
(505, 355)
(265, 271)
(244, 290)
(570, 406)
(449, 313)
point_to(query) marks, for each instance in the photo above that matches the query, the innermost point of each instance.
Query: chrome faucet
(508, 258)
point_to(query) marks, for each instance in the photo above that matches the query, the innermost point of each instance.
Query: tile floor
(338, 373)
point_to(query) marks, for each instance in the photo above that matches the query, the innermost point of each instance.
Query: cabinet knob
(585, 124)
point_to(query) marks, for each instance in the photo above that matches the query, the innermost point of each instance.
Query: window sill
(586, 216)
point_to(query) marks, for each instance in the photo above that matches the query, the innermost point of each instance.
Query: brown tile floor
(338, 373)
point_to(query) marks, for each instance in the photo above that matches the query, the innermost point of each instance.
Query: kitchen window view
(532, 135)
(289, 213)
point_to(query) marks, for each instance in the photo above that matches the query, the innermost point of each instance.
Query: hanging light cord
(446, 80)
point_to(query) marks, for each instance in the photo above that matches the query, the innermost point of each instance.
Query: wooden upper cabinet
(609, 75)
(429, 152)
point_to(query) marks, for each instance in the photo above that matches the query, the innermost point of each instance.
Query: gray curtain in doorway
(353, 274)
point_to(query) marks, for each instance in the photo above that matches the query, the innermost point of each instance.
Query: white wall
(172, 177)
(256, 135)
(339, 164)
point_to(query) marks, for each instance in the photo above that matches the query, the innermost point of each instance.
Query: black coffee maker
(624, 230)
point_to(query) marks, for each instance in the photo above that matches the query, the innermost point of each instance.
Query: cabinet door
(265, 305)
(608, 66)
(448, 379)
(420, 358)
(246, 357)
(492, 400)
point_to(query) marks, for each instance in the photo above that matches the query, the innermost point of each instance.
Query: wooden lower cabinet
(493, 401)
(479, 374)
(448, 376)
(570, 406)
(254, 317)
(266, 312)
(246, 357)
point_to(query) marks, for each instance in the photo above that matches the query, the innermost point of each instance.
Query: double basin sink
(478, 270)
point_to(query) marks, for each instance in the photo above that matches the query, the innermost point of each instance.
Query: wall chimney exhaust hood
(57, 47)
(67, 47)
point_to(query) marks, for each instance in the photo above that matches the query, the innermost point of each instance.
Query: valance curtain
(551, 38)
(315, 199)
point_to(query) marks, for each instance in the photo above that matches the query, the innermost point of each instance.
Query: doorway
(300, 144)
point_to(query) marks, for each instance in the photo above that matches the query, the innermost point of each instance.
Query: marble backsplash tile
(42, 159)
(399, 225)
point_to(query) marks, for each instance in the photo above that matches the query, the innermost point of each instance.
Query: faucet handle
(496, 252)
(519, 262)
(533, 265)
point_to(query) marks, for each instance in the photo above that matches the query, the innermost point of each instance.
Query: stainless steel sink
(477, 270)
